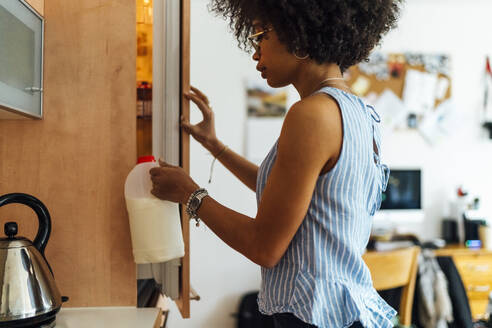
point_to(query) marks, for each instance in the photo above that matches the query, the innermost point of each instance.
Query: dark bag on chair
(249, 316)
(461, 308)
(459, 299)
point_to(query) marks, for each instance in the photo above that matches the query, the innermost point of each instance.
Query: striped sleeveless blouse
(322, 278)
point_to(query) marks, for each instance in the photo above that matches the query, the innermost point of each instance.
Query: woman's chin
(275, 84)
(269, 80)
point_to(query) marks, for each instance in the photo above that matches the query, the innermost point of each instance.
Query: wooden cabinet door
(38, 5)
(171, 77)
(184, 304)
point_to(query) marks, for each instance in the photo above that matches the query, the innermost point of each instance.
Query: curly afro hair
(329, 31)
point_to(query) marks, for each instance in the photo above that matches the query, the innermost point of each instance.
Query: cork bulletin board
(410, 90)
(397, 66)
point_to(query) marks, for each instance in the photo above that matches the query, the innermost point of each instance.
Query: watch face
(194, 203)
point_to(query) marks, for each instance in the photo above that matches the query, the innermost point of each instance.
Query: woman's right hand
(204, 131)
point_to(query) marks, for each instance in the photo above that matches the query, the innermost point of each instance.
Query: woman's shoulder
(313, 112)
(313, 125)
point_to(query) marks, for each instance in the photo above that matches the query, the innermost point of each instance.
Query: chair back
(392, 269)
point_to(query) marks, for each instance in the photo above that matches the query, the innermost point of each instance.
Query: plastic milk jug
(155, 224)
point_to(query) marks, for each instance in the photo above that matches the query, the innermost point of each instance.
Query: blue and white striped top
(322, 278)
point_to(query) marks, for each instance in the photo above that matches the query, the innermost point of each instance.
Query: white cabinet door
(21, 60)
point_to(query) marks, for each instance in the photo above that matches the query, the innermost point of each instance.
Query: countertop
(107, 317)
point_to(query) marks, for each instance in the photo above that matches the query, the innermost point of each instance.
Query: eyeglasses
(256, 38)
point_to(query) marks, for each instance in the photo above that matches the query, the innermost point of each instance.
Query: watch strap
(198, 194)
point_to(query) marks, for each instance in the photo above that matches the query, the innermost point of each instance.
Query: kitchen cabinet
(76, 159)
(85, 146)
(475, 268)
(21, 60)
(38, 5)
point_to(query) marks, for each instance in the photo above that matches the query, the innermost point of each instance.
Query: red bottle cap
(145, 159)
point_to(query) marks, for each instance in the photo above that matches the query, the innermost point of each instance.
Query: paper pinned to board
(438, 124)
(361, 86)
(442, 88)
(419, 92)
(392, 110)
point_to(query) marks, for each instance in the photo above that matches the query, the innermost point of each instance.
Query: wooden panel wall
(76, 159)
(38, 5)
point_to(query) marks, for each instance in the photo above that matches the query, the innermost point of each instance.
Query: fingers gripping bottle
(155, 224)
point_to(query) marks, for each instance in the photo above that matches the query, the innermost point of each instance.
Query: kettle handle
(44, 219)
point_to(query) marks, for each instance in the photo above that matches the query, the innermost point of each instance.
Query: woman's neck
(312, 77)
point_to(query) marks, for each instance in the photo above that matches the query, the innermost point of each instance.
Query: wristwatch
(194, 203)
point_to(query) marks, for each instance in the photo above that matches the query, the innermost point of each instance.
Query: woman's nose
(256, 54)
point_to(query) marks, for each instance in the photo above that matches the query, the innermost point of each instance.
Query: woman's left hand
(171, 183)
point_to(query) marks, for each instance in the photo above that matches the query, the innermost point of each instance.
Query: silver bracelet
(194, 202)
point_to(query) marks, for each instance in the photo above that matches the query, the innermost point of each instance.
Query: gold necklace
(333, 79)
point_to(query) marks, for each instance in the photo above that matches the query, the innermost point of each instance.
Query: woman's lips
(262, 70)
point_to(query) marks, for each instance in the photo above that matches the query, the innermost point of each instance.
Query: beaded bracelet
(188, 211)
(212, 165)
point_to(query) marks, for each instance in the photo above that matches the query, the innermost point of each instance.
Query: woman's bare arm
(243, 169)
(312, 134)
(204, 133)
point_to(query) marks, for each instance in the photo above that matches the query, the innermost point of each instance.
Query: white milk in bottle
(155, 224)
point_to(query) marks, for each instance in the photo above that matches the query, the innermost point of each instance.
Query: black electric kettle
(28, 293)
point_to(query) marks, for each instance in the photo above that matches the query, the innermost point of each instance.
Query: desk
(475, 268)
(108, 317)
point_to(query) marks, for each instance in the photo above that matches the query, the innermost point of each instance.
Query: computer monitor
(402, 200)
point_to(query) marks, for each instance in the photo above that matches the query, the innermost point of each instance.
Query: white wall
(219, 274)
(459, 29)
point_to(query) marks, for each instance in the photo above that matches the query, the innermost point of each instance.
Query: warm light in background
(144, 12)
(144, 35)
(144, 41)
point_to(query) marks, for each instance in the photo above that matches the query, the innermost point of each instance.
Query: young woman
(320, 184)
